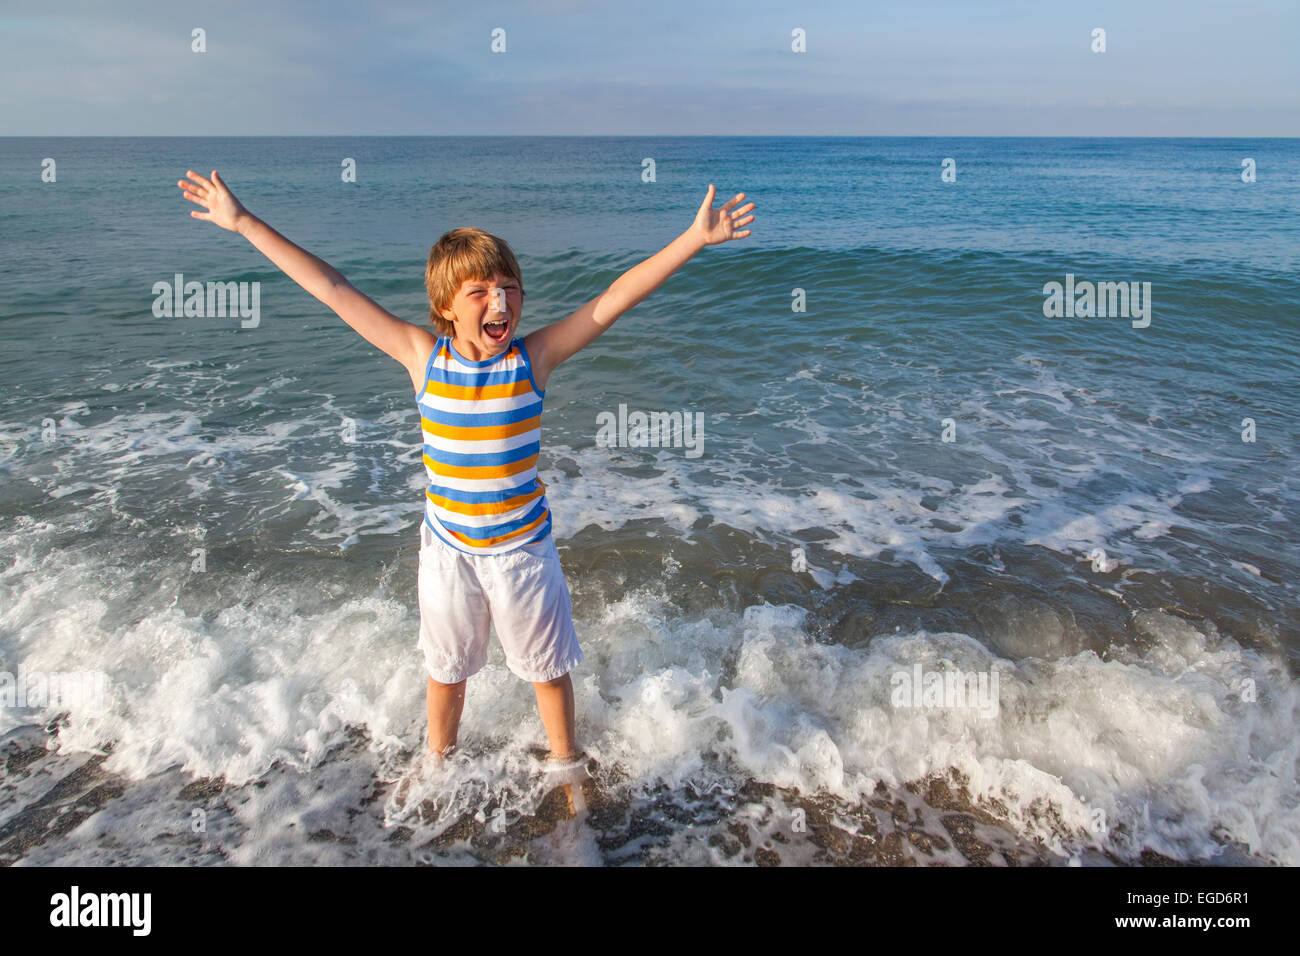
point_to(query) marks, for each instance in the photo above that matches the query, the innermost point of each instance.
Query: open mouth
(496, 331)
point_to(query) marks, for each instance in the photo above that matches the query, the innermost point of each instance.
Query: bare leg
(444, 703)
(555, 705)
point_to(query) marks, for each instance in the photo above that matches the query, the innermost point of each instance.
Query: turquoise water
(128, 441)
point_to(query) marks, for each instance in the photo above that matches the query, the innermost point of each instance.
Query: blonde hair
(465, 253)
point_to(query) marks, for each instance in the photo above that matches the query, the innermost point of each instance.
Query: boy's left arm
(552, 344)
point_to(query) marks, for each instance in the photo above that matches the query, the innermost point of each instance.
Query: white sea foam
(1162, 743)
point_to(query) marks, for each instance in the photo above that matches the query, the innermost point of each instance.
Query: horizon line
(610, 136)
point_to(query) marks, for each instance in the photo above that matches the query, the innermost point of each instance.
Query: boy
(486, 550)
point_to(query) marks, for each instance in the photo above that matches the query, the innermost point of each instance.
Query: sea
(981, 551)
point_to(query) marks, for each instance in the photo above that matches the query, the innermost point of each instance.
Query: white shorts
(522, 592)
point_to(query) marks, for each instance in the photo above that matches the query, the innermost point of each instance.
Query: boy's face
(486, 314)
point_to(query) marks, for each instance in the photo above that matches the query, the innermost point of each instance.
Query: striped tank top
(482, 424)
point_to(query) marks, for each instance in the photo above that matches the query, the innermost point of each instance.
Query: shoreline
(65, 810)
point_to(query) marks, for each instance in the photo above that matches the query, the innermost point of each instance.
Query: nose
(497, 300)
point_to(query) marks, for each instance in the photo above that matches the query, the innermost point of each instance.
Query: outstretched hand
(719, 225)
(222, 206)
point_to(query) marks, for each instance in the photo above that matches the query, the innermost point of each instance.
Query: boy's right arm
(407, 343)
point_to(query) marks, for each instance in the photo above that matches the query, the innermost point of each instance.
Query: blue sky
(573, 67)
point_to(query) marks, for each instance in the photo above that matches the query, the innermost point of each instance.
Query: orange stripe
(485, 508)
(470, 393)
(481, 432)
(446, 353)
(480, 471)
(487, 542)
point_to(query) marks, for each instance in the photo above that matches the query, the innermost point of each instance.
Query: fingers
(201, 191)
(194, 193)
(730, 203)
